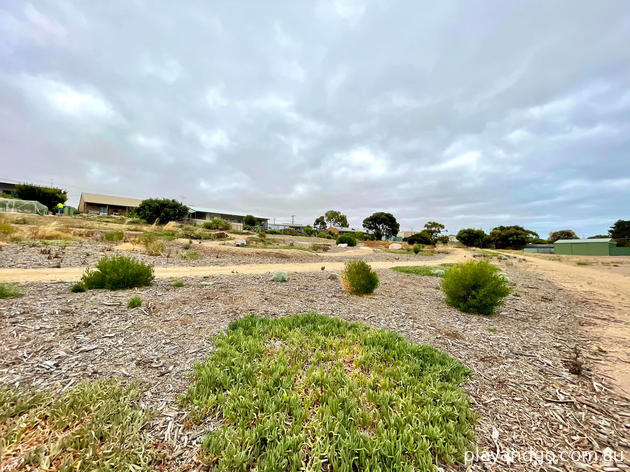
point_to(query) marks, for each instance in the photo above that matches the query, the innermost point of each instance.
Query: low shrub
(114, 236)
(153, 245)
(6, 229)
(79, 287)
(474, 287)
(191, 255)
(217, 223)
(358, 278)
(420, 270)
(10, 291)
(324, 235)
(417, 248)
(134, 302)
(347, 239)
(279, 276)
(117, 273)
(178, 283)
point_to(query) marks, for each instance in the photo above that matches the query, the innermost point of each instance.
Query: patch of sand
(130, 247)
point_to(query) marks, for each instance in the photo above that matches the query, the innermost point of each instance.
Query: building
(344, 230)
(96, 204)
(283, 226)
(590, 247)
(539, 248)
(406, 234)
(7, 188)
(199, 215)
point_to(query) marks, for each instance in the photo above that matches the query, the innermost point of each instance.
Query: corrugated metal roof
(110, 200)
(595, 240)
(219, 212)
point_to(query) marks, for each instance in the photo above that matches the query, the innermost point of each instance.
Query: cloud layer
(473, 113)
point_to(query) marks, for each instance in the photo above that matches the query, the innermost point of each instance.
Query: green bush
(10, 291)
(134, 302)
(161, 210)
(118, 272)
(347, 239)
(324, 235)
(474, 287)
(49, 196)
(178, 283)
(217, 223)
(279, 276)
(358, 278)
(79, 287)
(114, 236)
(417, 248)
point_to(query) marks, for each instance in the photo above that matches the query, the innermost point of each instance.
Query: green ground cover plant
(177, 283)
(79, 287)
(309, 392)
(10, 291)
(134, 302)
(114, 236)
(420, 270)
(117, 273)
(96, 425)
(475, 287)
(358, 278)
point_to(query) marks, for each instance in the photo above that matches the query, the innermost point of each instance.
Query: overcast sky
(471, 113)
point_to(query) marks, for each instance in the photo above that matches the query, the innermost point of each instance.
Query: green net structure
(14, 205)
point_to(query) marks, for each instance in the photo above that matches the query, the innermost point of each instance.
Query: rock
(395, 246)
(342, 245)
(240, 243)
(333, 276)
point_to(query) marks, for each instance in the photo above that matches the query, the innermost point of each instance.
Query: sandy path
(608, 295)
(71, 274)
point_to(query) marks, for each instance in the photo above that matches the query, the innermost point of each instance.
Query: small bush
(279, 276)
(10, 291)
(191, 255)
(6, 228)
(118, 272)
(178, 283)
(153, 245)
(79, 287)
(217, 223)
(474, 287)
(134, 302)
(417, 248)
(114, 236)
(347, 239)
(358, 278)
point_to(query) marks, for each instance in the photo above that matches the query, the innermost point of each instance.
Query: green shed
(586, 247)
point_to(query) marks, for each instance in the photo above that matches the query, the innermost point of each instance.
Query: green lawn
(309, 392)
(97, 425)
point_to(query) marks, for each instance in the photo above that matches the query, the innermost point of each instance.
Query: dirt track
(71, 274)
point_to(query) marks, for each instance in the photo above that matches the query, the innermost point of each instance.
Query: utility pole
(292, 219)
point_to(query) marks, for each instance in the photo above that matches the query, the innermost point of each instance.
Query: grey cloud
(471, 113)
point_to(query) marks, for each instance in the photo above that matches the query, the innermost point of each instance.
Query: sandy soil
(603, 284)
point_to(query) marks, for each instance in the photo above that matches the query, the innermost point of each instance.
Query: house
(343, 230)
(590, 247)
(283, 226)
(96, 204)
(7, 188)
(199, 215)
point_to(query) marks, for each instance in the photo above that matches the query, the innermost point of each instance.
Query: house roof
(594, 240)
(110, 200)
(197, 209)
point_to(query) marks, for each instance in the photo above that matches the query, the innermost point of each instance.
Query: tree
(381, 224)
(599, 236)
(336, 218)
(320, 223)
(161, 210)
(49, 196)
(472, 237)
(621, 232)
(562, 234)
(511, 237)
(433, 228)
(250, 220)
(420, 238)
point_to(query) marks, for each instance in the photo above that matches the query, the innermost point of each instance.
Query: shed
(97, 204)
(539, 248)
(586, 247)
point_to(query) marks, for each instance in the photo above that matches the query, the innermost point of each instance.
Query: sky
(471, 113)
